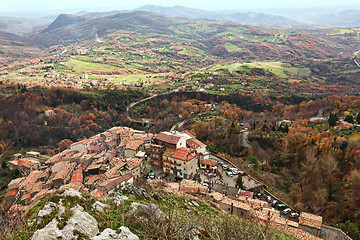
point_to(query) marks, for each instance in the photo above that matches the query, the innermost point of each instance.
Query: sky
(105, 5)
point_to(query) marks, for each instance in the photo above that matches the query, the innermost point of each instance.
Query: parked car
(206, 181)
(205, 184)
(230, 174)
(195, 176)
(274, 203)
(281, 206)
(212, 175)
(207, 172)
(294, 215)
(221, 164)
(151, 176)
(268, 199)
(286, 211)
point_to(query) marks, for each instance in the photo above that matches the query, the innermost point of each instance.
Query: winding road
(244, 139)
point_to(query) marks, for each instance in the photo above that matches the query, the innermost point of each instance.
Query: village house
(192, 187)
(196, 145)
(24, 165)
(170, 140)
(49, 113)
(167, 160)
(79, 146)
(310, 223)
(113, 184)
(208, 164)
(77, 176)
(16, 183)
(237, 208)
(63, 176)
(156, 154)
(184, 162)
(121, 168)
(10, 197)
(133, 147)
(135, 165)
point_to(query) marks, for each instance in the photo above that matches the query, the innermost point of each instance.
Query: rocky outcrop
(110, 234)
(80, 221)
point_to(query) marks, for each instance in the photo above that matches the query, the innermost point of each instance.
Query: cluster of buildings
(242, 204)
(110, 160)
(98, 165)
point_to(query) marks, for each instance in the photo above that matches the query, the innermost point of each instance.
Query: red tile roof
(310, 220)
(172, 139)
(210, 162)
(194, 143)
(77, 176)
(133, 162)
(110, 184)
(12, 192)
(134, 145)
(64, 171)
(183, 154)
(115, 171)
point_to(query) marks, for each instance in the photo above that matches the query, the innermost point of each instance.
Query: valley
(278, 102)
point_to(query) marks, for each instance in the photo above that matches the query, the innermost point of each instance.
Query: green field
(355, 137)
(81, 66)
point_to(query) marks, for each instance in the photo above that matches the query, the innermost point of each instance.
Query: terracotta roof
(115, 171)
(134, 144)
(209, 162)
(168, 152)
(310, 220)
(300, 234)
(255, 203)
(216, 196)
(189, 186)
(168, 138)
(183, 154)
(98, 193)
(16, 181)
(110, 184)
(90, 180)
(77, 176)
(31, 179)
(64, 171)
(237, 204)
(55, 159)
(12, 192)
(194, 143)
(246, 194)
(133, 162)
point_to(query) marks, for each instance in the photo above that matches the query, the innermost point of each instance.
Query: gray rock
(99, 206)
(119, 198)
(80, 221)
(49, 232)
(71, 192)
(195, 204)
(109, 234)
(139, 192)
(46, 211)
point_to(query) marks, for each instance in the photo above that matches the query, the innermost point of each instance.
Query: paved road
(244, 139)
(319, 116)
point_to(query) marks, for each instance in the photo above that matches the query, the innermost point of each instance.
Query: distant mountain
(346, 18)
(218, 40)
(252, 18)
(64, 20)
(20, 25)
(14, 47)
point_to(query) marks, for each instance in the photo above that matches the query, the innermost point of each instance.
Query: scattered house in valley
(310, 223)
(113, 184)
(184, 162)
(49, 113)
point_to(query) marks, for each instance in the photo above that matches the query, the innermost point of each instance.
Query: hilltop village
(122, 156)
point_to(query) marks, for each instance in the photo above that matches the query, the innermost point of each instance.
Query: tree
(185, 115)
(64, 144)
(358, 118)
(239, 182)
(332, 119)
(349, 119)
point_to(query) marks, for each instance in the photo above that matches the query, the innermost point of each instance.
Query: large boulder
(49, 232)
(71, 192)
(46, 211)
(82, 222)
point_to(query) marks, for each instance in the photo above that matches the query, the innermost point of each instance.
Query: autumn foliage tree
(64, 144)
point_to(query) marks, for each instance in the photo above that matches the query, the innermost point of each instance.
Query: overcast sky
(102, 5)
